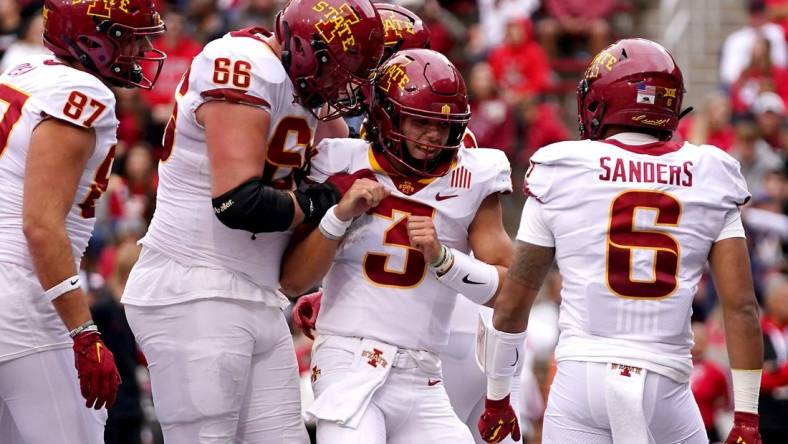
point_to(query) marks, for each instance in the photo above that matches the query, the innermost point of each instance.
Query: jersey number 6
(623, 238)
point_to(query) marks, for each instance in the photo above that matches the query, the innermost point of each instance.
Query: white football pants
(410, 407)
(222, 371)
(41, 403)
(578, 411)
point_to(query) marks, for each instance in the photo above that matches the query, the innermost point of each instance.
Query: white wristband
(68, 284)
(498, 388)
(331, 227)
(746, 388)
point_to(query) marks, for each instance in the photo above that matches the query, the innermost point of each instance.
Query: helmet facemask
(394, 144)
(126, 69)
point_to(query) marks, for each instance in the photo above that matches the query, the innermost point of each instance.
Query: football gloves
(745, 429)
(98, 376)
(305, 312)
(498, 421)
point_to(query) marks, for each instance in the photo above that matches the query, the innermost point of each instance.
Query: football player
(202, 300)
(57, 144)
(463, 380)
(632, 219)
(394, 261)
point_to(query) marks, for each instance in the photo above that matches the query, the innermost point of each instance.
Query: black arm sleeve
(258, 208)
(255, 207)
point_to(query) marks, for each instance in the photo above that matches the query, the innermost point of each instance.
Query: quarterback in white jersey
(57, 144)
(396, 268)
(202, 300)
(631, 219)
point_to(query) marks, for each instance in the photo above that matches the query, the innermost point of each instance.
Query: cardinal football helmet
(424, 84)
(330, 48)
(402, 29)
(108, 38)
(631, 83)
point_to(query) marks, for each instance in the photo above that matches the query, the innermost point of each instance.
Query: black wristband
(316, 199)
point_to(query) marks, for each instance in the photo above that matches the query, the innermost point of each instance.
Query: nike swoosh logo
(439, 198)
(430, 382)
(98, 351)
(467, 280)
(74, 282)
(516, 357)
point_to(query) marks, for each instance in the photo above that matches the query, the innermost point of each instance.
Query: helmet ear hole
(298, 46)
(592, 107)
(88, 43)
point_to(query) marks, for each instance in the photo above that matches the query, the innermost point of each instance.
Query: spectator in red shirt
(584, 19)
(540, 125)
(445, 28)
(708, 382)
(180, 49)
(759, 76)
(132, 119)
(520, 65)
(712, 125)
(132, 196)
(493, 121)
(777, 11)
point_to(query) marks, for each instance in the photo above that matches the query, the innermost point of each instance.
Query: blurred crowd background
(521, 60)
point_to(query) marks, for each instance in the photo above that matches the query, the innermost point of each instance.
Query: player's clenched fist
(362, 195)
(498, 421)
(98, 376)
(423, 237)
(305, 312)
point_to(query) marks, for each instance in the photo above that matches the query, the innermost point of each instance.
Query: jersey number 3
(624, 238)
(376, 265)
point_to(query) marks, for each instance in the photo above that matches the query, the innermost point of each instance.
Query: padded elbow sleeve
(255, 207)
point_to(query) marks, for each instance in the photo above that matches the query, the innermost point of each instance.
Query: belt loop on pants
(403, 359)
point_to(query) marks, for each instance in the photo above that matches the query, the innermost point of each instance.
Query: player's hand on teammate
(745, 429)
(362, 195)
(98, 376)
(498, 421)
(305, 312)
(423, 237)
(343, 181)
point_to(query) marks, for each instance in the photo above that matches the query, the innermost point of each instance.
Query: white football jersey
(632, 226)
(42, 87)
(241, 68)
(30, 92)
(378, 286)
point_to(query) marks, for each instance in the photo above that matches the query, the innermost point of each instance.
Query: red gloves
(498, 421)
(343, 181)
(745, 429)
(98, 376)
(305, 312)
